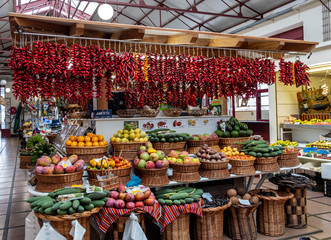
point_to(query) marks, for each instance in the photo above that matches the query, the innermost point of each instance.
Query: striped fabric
(107, 216)
(170, 213)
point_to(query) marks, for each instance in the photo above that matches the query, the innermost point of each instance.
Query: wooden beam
(300, 47)
(226, 42)
(155, 39)
(269, 45)
(132, 34)
(76, 29)
(189, 38)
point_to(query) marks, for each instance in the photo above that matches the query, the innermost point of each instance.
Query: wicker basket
(126, 113)
(62, 223)
(241, 162)
(172, 112)
(295, 208)
(153, 177)
(200, 143)
(51, 137)
(185, 168)
(25, 161)
(196, 112)
(288, 163)
(75, 115)
(206, 165)
(186, 177)
(108, 183)
(149, 113)
(215, 174)
(51, 182)
(211, 225)
(124, 180)
(167, 147)
(120, 172)
(266, 160)
(178, 229)
(246, 170)
(272, 167)
(241, 222)
(87, 153)
(286, 156)
(270, 218)
(127, 147)
(231, 142)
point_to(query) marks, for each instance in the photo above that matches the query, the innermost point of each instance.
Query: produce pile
(176, 157)
(34, 140)
(41, 149)
(229, 152)
(66, 201)
(290, 150)
(130, 198)
(90, 140)
(261, 149)
(129, 135)
(113, 162)
(210, 155)
(166, 135)
(217, 201)
(205, 136)
(233, 129)
(322, 144)
(240, 193)
(178, 196)
(292, 180)
(150, 158)
(285, 143)
(57, 165)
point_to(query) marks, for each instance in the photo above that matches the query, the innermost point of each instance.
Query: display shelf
(314, 159)
(305, 126)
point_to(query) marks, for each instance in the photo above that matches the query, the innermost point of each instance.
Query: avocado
(234, 134)
(236, 128)
(226, 134)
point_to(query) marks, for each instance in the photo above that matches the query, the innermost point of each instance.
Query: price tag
(169, 172)
(207, 196)
(244, 202)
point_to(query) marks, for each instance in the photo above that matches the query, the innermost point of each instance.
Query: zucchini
(36, 203)
(163, 191)
(258, 142)
(32, 199)
(187, 190)
(68, 191)
(177, 196)
(262, 145)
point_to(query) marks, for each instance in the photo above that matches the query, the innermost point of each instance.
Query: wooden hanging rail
(72, 27)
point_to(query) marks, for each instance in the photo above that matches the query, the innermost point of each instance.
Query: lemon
(132, 136)
(137, 135)
(125, 132)
(120, 131)
(117, 140)
(136, 139)
(141, 140)
(113, 139)
(142, 134)
(137, 130)
(125, 135)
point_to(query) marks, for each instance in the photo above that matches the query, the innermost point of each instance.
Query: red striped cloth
(107, 216)
(170, 213)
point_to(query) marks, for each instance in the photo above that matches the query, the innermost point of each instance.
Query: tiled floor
(14, 209)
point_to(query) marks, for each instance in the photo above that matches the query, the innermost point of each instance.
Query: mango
(40, 169)
(73, 158)
(48, 170)
(58, 169)
(44, 162)
(56, 159)
(79, 165)
(70, 169)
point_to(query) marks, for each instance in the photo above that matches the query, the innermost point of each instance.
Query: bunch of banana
(285, 143)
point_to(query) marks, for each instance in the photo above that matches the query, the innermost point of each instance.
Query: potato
(241, 191)
(231, 193)
(254, 200)
(234, 200)
(247, 196)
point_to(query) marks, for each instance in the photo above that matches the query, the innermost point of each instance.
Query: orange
(95, 139)
(100, 137)
(87, 139)
(72, 138)
(101, 144)
(95, 144)
(74, 144)
(81, 144)
(80, 139)
(68, 143)
(88, 144)
(105, 142)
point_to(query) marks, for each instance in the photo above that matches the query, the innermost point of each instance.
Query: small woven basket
(127, 147)
(214, 174)
(241, 222)
(172, 112)
(149, 113)
(196, 112)
(87, 153)
(62, 223)
(286, 156)
(246, 170)
(126, 113)
(231, 142)
(206, 165)
(152, 177)
(288, 163)
(241, 162)
(120, 172)
(272, 167)
(51, 137)
(76, 115)
(211, 225)
(108, 183)
(25, 161)
(185, 177)
(200, 143)
(178, 229)
(168, 145)
(266, 160)
(185, 168)
(270, 215)
(51, 182)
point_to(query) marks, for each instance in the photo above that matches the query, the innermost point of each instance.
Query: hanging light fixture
(7, 90)
(3, 82)
(105, 11)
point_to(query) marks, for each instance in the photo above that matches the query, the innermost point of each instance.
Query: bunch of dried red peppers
(54, 70)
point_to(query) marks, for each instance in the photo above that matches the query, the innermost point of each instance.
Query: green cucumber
(32, 199)
(176, 202)
(161, 201)
(47, 204)
(62, 212)
(56, 206)
(80, 209)
(197, 192)
(88, 207)
(49, 211)
(66, 205)
(85, 200)
(168, 202)
(189, 200)
(182, 201)
(98, 203)
(72, 210)
(177, 196)
(75, 204)
(252, 153)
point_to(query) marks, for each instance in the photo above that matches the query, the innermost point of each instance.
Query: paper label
(244, 202)
(207, 196)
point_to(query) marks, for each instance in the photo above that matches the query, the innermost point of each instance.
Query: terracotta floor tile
(2, 221)
(21, 197)
(20, 183)
(3, 208)
(17, 219)
(22, 189)
(5, 191)
(324, 200)
(315, 208)
(20, 207)
(311, 194)
(16, 233)
(4, 198)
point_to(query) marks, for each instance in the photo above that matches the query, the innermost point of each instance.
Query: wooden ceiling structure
(162, 38)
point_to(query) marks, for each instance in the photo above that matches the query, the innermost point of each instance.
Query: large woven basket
(295, 208)
(62, 223)
(215, 174)
(76, 115)
(211, 225)
(196, 112)
(87, 153)
(149, 113)
(127, 147)
(178, 229)
(288, 163)
(286, 156)
(185, 177)
(241, 162)
(246, 170)
(152, 177)
(167, 147)
(272, 167)
(120, 172)
(231, 142)
(200, 143)
(185, 168)
(266, 160)
(25, 161)
(172, 112)
(207, 165)
(126, 113)
(241, 222)
(51, 182)
(271, 215)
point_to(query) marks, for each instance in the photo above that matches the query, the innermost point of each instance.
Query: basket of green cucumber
(178, 196)
(67, 204)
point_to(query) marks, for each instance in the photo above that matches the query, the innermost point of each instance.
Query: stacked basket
(154, 177)
(168, 146)
(214, 170)
(127, 150)
(194, 145)
(232, 142)
(289, 159)
(87, 153)
(185, 172)
(242, 166)
(266, 164)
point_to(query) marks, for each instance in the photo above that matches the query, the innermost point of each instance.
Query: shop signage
(103, 113)
(216, 102)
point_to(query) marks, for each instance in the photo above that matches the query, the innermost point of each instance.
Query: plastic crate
(327, 187)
